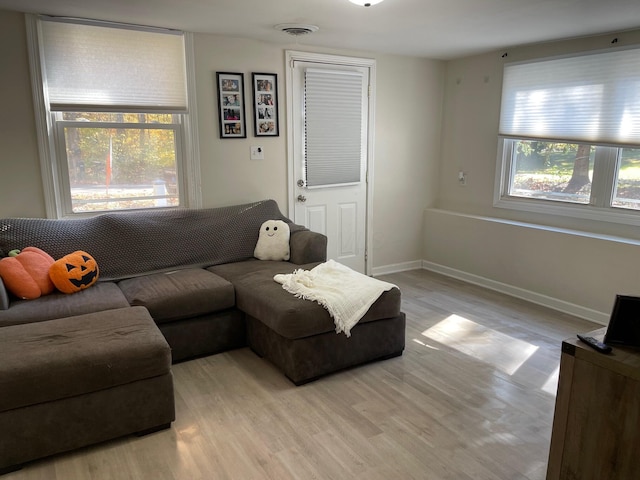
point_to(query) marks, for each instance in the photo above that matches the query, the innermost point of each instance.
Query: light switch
(257, 153)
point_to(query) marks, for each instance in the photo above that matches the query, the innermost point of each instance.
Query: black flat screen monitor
(624, 324)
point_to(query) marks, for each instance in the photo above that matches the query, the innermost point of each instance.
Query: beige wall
(552, 267)
(408, 116)
(20, 181)
(407, 152)
(229, 176)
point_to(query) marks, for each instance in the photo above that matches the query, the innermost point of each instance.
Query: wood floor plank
(472, 397)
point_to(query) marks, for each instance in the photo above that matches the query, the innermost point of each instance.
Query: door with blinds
(329, 138)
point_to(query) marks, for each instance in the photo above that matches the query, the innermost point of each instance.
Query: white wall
(20, 181)
(409, 111)
(229, 176)
(558, 268)
(407, 150)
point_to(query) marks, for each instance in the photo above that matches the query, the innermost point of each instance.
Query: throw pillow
(273, 241)
(26, 273)
(74, 272)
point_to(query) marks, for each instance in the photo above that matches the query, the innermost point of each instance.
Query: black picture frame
(230, 87)
(265, 104)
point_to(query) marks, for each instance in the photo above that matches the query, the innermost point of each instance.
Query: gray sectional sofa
(158, 260)
(189, 274)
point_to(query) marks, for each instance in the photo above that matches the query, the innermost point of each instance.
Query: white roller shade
(92, 67)
(593, 98)
(333, 127)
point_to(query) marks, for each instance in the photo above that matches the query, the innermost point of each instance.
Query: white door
(329, 137)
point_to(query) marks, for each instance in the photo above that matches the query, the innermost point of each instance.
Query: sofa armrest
(307, 247)
(4, 297)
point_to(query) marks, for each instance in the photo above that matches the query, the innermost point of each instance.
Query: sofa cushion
(259, 296)
(237, 270)
(61, 358)
(179, 294)
(102, 296)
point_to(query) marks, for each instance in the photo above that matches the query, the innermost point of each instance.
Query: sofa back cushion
(128, 244)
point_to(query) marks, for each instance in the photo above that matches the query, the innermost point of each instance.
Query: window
(333, 133)
(114, 116)
(570, 136)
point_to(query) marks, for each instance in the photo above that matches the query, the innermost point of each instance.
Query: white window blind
(592, 98)
(333, 127)
(98, 67)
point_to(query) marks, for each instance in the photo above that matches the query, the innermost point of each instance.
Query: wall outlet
(462, 178)
(257, 153)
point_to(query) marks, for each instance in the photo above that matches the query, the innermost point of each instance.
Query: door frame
(327, 59)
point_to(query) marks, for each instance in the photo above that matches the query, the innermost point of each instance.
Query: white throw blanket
(345, 293)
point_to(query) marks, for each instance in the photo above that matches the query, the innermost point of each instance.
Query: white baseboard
(397, 267)
(533, 297)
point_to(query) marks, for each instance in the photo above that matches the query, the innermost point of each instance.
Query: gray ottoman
(80, 380)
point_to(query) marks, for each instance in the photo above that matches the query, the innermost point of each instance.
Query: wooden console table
(596, 425)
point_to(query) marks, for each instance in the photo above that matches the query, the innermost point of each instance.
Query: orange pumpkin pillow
(26, 274)
(74, 272)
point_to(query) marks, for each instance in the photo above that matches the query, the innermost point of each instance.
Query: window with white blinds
(333, 127)
(592, 98)
(570, 136)
(115, 116)
(97, 67)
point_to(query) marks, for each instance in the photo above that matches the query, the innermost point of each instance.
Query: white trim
(370, 63)
(600, 318)
(370, 165)
(587, 212)
(42, 120)
(191, 168)
(290, 145)
(533, 297)
(397, 267)
(535, 226)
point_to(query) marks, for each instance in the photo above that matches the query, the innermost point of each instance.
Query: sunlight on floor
(420, 342)
(497, 349)
(551, 385)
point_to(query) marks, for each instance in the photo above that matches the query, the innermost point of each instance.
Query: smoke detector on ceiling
(296, 29)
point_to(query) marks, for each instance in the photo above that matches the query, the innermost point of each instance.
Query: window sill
(586, 212)
(547, 228)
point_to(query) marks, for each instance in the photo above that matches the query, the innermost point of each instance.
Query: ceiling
(438, 29)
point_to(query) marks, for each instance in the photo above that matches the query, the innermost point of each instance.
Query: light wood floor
(471, 398)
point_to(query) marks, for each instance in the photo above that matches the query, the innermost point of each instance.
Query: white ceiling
(438, 29)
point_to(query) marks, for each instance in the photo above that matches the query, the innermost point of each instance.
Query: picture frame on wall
(265, 104)
(231, 104)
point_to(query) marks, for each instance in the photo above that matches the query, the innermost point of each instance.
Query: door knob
(302, 198)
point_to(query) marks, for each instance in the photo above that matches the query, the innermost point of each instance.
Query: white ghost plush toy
(273, 242)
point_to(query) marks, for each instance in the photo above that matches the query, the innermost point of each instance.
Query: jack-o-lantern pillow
(74, 272)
